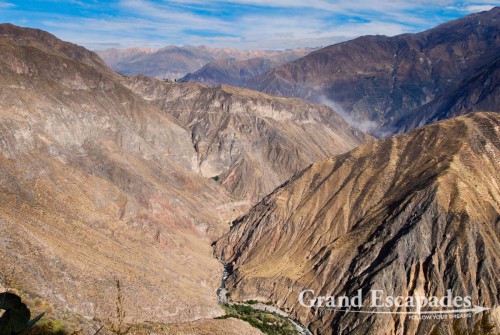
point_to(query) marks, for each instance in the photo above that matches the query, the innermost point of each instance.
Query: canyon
(413, 214)
(104, 178)
(167, 182)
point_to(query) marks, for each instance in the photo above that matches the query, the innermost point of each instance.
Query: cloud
(478, 8)
(246, 24)
(364, 125)
(4, 5)
(171, 15)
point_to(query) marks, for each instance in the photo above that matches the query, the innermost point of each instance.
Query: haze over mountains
(172, 62)
(391, 84)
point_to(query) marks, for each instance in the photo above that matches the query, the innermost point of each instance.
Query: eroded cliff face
(413, 214)
(97, 184)
(251, 141)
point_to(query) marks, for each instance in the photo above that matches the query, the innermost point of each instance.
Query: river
(223, 298)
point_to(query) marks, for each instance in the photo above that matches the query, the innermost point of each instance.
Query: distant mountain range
(383, 85)
(173, 62)
(388, 85)
(237, 72)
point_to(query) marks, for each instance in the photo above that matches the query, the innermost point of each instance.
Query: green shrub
(268, 323)
(49, 327)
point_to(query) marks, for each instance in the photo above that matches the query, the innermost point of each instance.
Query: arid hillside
(415, 214)
(98, 185)
(249, 141)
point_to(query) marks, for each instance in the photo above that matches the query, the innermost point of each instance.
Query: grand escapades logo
(377, 302)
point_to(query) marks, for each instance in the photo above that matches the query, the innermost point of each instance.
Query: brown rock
(252, 141)
(97, 184)
(412, 214)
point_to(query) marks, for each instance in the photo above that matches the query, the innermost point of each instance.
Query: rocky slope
(250, 141)
(480, 91)
(415, 214)
(172, 62)
(379, 80)
(237, 72)
(51, 45)
(229, 326)
(96, 184)
(105, 177)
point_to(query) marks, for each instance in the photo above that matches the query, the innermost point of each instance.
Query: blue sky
(246, 24)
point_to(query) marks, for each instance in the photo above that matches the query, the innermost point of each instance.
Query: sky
(244, 24)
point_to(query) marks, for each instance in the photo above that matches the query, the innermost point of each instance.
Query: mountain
(172, 62)
(481, 91)
(249, 141)
(114, 56)
(415, 214)
(104, 178)
(238, 72)
(51, 45)
(229, 71)
(98, 185)
(377, 81)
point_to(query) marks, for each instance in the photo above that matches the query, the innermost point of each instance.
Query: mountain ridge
(381, 79)
(98, 185)
(174, 62)
(236, 72)
(248, 140)
(417, 213)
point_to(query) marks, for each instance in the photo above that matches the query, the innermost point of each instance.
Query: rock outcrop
(250, 141)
